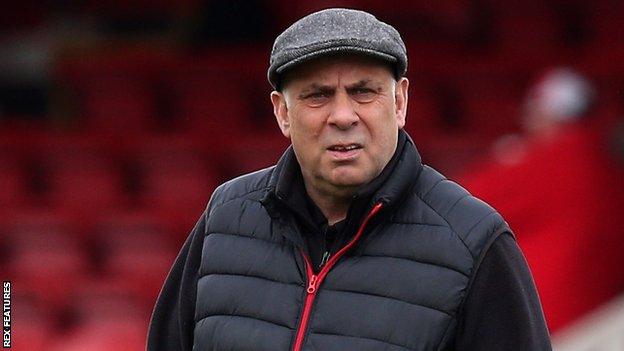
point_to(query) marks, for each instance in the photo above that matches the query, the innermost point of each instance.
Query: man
(349, 242)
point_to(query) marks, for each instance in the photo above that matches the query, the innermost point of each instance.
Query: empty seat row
(102, 315)
(156, 172)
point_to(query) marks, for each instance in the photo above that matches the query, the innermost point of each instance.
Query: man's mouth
(345, 147)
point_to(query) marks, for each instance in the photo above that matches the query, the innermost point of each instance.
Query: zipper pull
(324, 259)
(312, 285)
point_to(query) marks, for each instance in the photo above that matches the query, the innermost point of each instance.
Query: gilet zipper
(314, 281)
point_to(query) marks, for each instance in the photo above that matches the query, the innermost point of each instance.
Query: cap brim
(327, 52)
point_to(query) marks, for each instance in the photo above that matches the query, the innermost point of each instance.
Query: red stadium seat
(119, 335)
(116, 91)
(81, 175)
(451, 153)
(422, 112)
(137, 248)
(133, 228)
(46, 252)
(105, 315)
(101, 300)
(13, 181)
(32, 320)
(176, 177)
(119, 106)
(492, 116)
(144, 269)
(255, 152)
(211, 96)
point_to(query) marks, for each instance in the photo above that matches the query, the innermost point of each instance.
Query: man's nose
(343, 114)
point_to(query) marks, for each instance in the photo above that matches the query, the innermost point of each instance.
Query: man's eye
(363, 94)
(317, 98)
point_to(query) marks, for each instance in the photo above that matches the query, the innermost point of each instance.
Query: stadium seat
(254, 152)
(211, 96)
(492, 116)
(105, 316)
(33, 320)
(13, 181)
(175, 175)
(119, 106)
(81, 175)
(118, 334)
(422, 111)
(136, 247)
(46, 252)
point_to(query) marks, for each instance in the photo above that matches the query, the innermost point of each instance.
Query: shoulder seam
(433, 186)
(239, 197)
(499, 231)
(259, 187)
(456, 202)
(479, 222)
(447, 222)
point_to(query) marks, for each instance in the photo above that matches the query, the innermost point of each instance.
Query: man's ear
(280, 110)
(400, 96)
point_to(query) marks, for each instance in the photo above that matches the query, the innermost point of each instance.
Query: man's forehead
(344, 70)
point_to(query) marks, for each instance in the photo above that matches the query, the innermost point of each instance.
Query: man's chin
(348, 180)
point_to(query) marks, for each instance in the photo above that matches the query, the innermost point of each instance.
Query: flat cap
(336, 31)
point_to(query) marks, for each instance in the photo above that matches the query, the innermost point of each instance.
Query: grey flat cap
(334, 31)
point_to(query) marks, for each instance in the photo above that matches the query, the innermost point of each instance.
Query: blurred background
(118, 119)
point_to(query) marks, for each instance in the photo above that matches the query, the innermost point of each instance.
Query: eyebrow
(366, 83)
(361, 84)
(314, 87)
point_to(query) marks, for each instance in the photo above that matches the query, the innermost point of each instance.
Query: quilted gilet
(399, 287)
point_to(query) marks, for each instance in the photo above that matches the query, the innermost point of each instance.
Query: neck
(333, 204)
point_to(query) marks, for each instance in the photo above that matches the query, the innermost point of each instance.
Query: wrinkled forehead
(328, 69)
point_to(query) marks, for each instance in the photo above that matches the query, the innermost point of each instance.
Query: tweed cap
(336, 31)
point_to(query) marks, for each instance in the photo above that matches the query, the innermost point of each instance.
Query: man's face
(342, 115)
